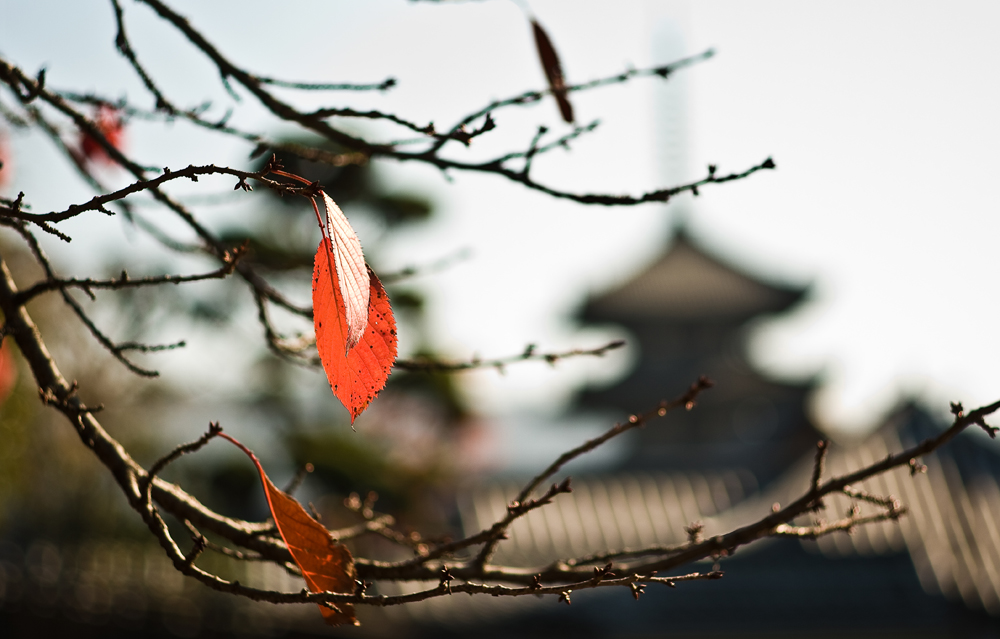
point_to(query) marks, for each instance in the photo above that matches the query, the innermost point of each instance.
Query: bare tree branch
(123, 282)
(530, 353)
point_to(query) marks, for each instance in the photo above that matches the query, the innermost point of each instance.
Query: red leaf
(8, 371)
(6, 164)
(356, 375)
(553, 70)
(352, 272)
(109, 122)
(326, 565)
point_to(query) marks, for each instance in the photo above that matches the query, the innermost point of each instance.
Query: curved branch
(191, 172)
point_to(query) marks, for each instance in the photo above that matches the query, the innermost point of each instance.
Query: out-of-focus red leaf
(109, 122)
(326, 565)
(6, 163)
(8, 371)
(553, 70)
(352, 272)
(356, 375)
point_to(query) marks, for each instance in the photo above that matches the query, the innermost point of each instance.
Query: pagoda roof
(688, 283)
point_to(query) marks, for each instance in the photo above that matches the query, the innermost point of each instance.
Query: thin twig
(125, 48)
(214, 429)
(384, 85)
(530, 353)
(604, 557)
(192, 172)
(124, 281)
(843, 525)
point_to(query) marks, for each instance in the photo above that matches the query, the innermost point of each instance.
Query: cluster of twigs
(460, 565)
(30, 90)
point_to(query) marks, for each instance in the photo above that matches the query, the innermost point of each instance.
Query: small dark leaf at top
(553, 70)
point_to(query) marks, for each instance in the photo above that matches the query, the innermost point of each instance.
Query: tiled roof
(612, 512)
(951, 530)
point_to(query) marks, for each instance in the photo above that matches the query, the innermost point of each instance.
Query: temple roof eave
(689, 284)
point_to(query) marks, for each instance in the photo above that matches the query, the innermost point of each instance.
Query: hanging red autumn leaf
(108, 121)
(553, 70)
(355, 329)
(326, 565)
(359, 374)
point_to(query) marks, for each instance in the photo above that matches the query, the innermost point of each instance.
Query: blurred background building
(747, 445)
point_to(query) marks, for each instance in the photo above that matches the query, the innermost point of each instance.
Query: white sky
(882, 118)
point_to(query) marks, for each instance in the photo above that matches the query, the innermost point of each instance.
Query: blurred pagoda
(689, 313)
(748, 444)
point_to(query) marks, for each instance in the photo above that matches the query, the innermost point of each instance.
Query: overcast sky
(881, 117)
